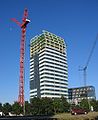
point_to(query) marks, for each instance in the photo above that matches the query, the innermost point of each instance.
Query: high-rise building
(48, 66)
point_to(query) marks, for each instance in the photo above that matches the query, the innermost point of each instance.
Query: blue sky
(74, 20)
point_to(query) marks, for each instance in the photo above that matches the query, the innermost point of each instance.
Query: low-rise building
(75, 95)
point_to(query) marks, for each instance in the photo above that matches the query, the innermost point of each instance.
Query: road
(27, 118)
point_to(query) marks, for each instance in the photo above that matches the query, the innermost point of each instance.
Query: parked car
(75, 111)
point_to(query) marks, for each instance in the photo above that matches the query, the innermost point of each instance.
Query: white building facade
(48, 66)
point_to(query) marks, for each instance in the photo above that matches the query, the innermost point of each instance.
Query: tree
(57, 105)
(94, 103)
(61, 105)
(27, 108)
(41, 106)
(17, 109)
(36, 106)
(47, 108)
(65, 105)
(7, 108)
(0, 107)
(96, 108)
(85, 104)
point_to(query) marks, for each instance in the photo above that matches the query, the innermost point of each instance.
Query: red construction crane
(22, 25)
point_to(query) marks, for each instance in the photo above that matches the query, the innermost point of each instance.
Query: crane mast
(22, 25)
(84, 69)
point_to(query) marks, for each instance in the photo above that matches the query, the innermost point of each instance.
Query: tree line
(45, 106)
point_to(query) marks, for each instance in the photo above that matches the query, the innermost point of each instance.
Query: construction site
(51, 88)
(34, 49)
(23, 26)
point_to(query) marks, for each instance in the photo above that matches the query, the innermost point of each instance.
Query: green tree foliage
(97, 105)
(17, 109)
(57, 105)
(35, 106)
(46, 105)
(94, 103)
(27, 108)
(49, 106)
(61, 105)
(85, 104)
(0, 107)
(41, 106)
(7, 108)
(65, 105)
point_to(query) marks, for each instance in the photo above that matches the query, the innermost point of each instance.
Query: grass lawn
(68, 116)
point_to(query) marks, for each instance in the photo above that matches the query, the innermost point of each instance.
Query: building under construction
(48, 66)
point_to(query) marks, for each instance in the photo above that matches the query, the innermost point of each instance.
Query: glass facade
(48, 66)
(77, 94)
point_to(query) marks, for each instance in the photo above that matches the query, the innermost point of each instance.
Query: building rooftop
(81, 87)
